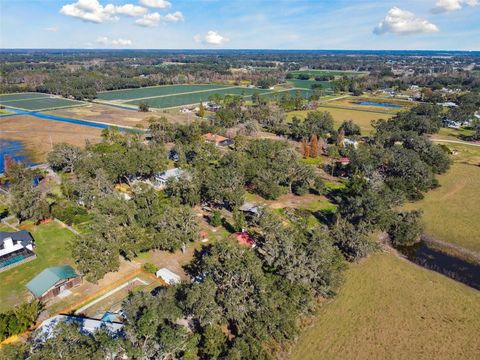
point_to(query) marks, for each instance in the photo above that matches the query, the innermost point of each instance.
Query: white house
(448, 104)
(168, 276)
(15, 248)
(162, 178)
(349, 142)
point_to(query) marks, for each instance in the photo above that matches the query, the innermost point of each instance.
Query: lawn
(362, 118)
(51, 242)
(452, 211)
(389, 308)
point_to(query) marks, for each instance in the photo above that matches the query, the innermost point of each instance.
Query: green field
(306, 84)
(313, 72)
(39, 103)
(153, 91)
(51, 248)
(451, 213)
(173, 100)
(389, 308)
(304, 93)
(22, 96)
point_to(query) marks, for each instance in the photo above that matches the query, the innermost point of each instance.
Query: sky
(241, 24)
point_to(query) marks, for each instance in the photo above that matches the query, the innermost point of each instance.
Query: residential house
(349, 142)
(216, 139)
(52, 281)
(245, 239)
(15, 249)
(451, 124)
(448, 104)
(86, 326)
(168, 276)
(160, 179)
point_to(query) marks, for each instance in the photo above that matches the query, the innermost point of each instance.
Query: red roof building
(244, 238)
(216, 139)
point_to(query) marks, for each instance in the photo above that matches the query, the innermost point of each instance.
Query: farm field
(38, 136)
(51, 248)
(36, 101)
(451, 212)
(389, 308)
(168, 101)
(352, 103)
(152, 91)
(304, 93)
(306, 84)
(361, 118)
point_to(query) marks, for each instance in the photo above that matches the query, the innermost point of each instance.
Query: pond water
(14, 149)
(369, 103)
(451, 266)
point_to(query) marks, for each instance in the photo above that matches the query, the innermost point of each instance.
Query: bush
(150, 268)
(216, 218)
(70, 214)
(19, 320)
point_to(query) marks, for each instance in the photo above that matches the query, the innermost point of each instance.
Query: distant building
(162, 178)
(168, 276)
(86, 326)
(349, 142)
(448, 104)
(218, 140)
(15, 249)
(250, 208)
(451, 124)
(52, 281)
(343, 161)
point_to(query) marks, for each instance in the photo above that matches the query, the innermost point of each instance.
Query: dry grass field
(117, 116)
(391, 309)
(38, 135)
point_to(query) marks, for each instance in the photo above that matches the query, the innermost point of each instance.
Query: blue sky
(247, 24)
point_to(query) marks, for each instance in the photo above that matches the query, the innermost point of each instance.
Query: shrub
(150, 268)
(406, 228)
(216, 218)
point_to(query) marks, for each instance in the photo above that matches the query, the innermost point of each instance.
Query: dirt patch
(39, 135)
(116, 116)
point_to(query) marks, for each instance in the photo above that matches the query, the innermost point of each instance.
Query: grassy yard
(452, 211)
(362, 118)
(51, 249)
(391, 309)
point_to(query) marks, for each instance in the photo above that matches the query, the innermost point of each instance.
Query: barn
(52, 281)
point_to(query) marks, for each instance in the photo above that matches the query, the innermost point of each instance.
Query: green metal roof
(49, 277)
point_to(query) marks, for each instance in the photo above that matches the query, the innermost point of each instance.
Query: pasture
(451, 213)
(36, 101)
(51, 248)
(389, 308)
(359, 117)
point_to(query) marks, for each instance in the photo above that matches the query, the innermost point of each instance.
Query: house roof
(169, 276)
(22, 235)
(244, 238)
(87, 326)
(214, 137)
(250, 207)
(40, 284)
(170, 173)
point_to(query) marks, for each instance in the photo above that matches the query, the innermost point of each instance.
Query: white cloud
(403, 22)
(103, 40)
(52, 29)
(174, 17)
(160, 4)
(153, 19)
(452, 5)
(149, 20)
(211, 38)
(93, 11)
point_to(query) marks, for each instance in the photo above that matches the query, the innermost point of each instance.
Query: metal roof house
(162, 178)
(168, 276)
(52, 281)
(15, 249)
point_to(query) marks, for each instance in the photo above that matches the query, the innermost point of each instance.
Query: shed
(168, 276)
(52, 281)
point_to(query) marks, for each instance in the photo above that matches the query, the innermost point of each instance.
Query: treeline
(19, 319)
